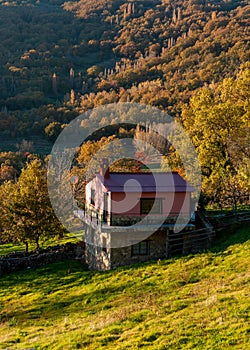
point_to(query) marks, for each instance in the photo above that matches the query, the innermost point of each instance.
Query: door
(105, 206)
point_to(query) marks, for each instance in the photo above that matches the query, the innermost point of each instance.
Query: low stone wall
(223, 221)
(19, 261)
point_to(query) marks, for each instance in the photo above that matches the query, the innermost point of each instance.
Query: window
(141, 248)
(104, 244)
(148, 203)
(92, 196)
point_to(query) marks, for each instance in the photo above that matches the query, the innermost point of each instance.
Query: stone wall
(19, 261)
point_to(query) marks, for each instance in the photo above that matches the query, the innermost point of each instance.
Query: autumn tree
(53, 130)
(26, 212)
(217, 119)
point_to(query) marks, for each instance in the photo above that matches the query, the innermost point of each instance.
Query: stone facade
(98, 257)
(155, 244)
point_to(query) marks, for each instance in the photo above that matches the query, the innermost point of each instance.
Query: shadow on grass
(68, 287)
(52, 289)
(236, 233)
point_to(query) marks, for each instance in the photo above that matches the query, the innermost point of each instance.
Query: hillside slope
(158, 52)
(194, 302)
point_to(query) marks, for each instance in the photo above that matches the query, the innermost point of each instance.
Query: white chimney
(104, 169)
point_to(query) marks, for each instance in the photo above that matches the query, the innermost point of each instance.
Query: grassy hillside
(194, 302)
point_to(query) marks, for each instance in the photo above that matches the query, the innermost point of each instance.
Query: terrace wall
(20, 261)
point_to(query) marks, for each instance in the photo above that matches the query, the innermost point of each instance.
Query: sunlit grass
(193, 302)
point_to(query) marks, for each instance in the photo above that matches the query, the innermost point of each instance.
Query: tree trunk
(26, 247)
(37, 243)
(234, 204)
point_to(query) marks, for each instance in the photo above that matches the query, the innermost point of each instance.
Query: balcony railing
(152, 219)
(92, 215)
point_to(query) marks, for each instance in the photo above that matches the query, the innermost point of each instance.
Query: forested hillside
(187, 57)
(61, 58)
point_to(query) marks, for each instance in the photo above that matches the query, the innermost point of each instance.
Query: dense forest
(59, 59)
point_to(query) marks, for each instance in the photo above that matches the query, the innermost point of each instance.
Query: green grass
(211, 211)
(11, 247)
(194, 302)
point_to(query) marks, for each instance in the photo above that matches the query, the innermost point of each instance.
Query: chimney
(104, 170)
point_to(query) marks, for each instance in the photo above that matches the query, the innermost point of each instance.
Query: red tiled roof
(146, 182)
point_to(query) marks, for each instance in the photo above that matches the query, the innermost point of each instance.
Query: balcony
(94, 218)
(153, 219)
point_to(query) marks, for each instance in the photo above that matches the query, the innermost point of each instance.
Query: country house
(132, 217)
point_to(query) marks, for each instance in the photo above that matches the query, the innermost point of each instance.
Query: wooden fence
(189, 242)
